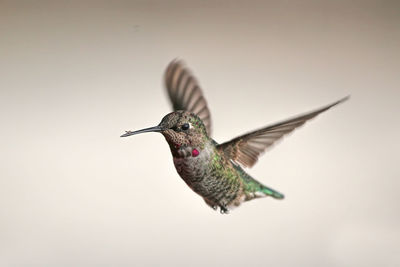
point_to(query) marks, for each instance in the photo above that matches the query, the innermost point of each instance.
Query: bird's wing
(246, 149)
(185, 92)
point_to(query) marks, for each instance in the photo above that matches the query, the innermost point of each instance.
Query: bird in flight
(213, 170)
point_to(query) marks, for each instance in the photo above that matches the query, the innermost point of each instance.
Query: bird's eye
(185, 126)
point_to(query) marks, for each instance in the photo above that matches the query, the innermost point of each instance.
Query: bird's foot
(223, 209)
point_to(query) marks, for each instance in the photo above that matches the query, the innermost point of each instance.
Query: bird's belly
(198, 177)
(201, 176)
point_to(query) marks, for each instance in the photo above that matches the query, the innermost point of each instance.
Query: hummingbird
(213, 170)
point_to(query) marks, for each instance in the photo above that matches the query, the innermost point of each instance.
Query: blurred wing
(246, 149)
(185, 92)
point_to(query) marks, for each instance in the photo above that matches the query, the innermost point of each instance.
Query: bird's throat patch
(195, 152)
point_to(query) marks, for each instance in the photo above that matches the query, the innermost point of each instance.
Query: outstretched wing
(246, 149)
(185, 92)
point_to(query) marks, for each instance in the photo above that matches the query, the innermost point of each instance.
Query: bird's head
(184, 132)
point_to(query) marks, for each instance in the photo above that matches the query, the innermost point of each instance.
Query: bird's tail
(270, 192)
(257, 189)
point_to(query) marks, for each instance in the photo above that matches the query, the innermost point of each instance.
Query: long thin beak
(147, 130)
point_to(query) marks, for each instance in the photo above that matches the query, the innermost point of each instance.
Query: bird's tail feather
(256, 188)
(271, 192)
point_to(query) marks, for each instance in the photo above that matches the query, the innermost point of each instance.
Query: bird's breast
(194, 166)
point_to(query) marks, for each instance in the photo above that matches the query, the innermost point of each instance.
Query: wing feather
(185, 92)
(246, 149)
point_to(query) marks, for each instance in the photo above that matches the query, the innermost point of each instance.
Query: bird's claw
(223, 210)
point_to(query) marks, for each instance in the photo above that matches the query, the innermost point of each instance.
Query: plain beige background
(75, 75)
